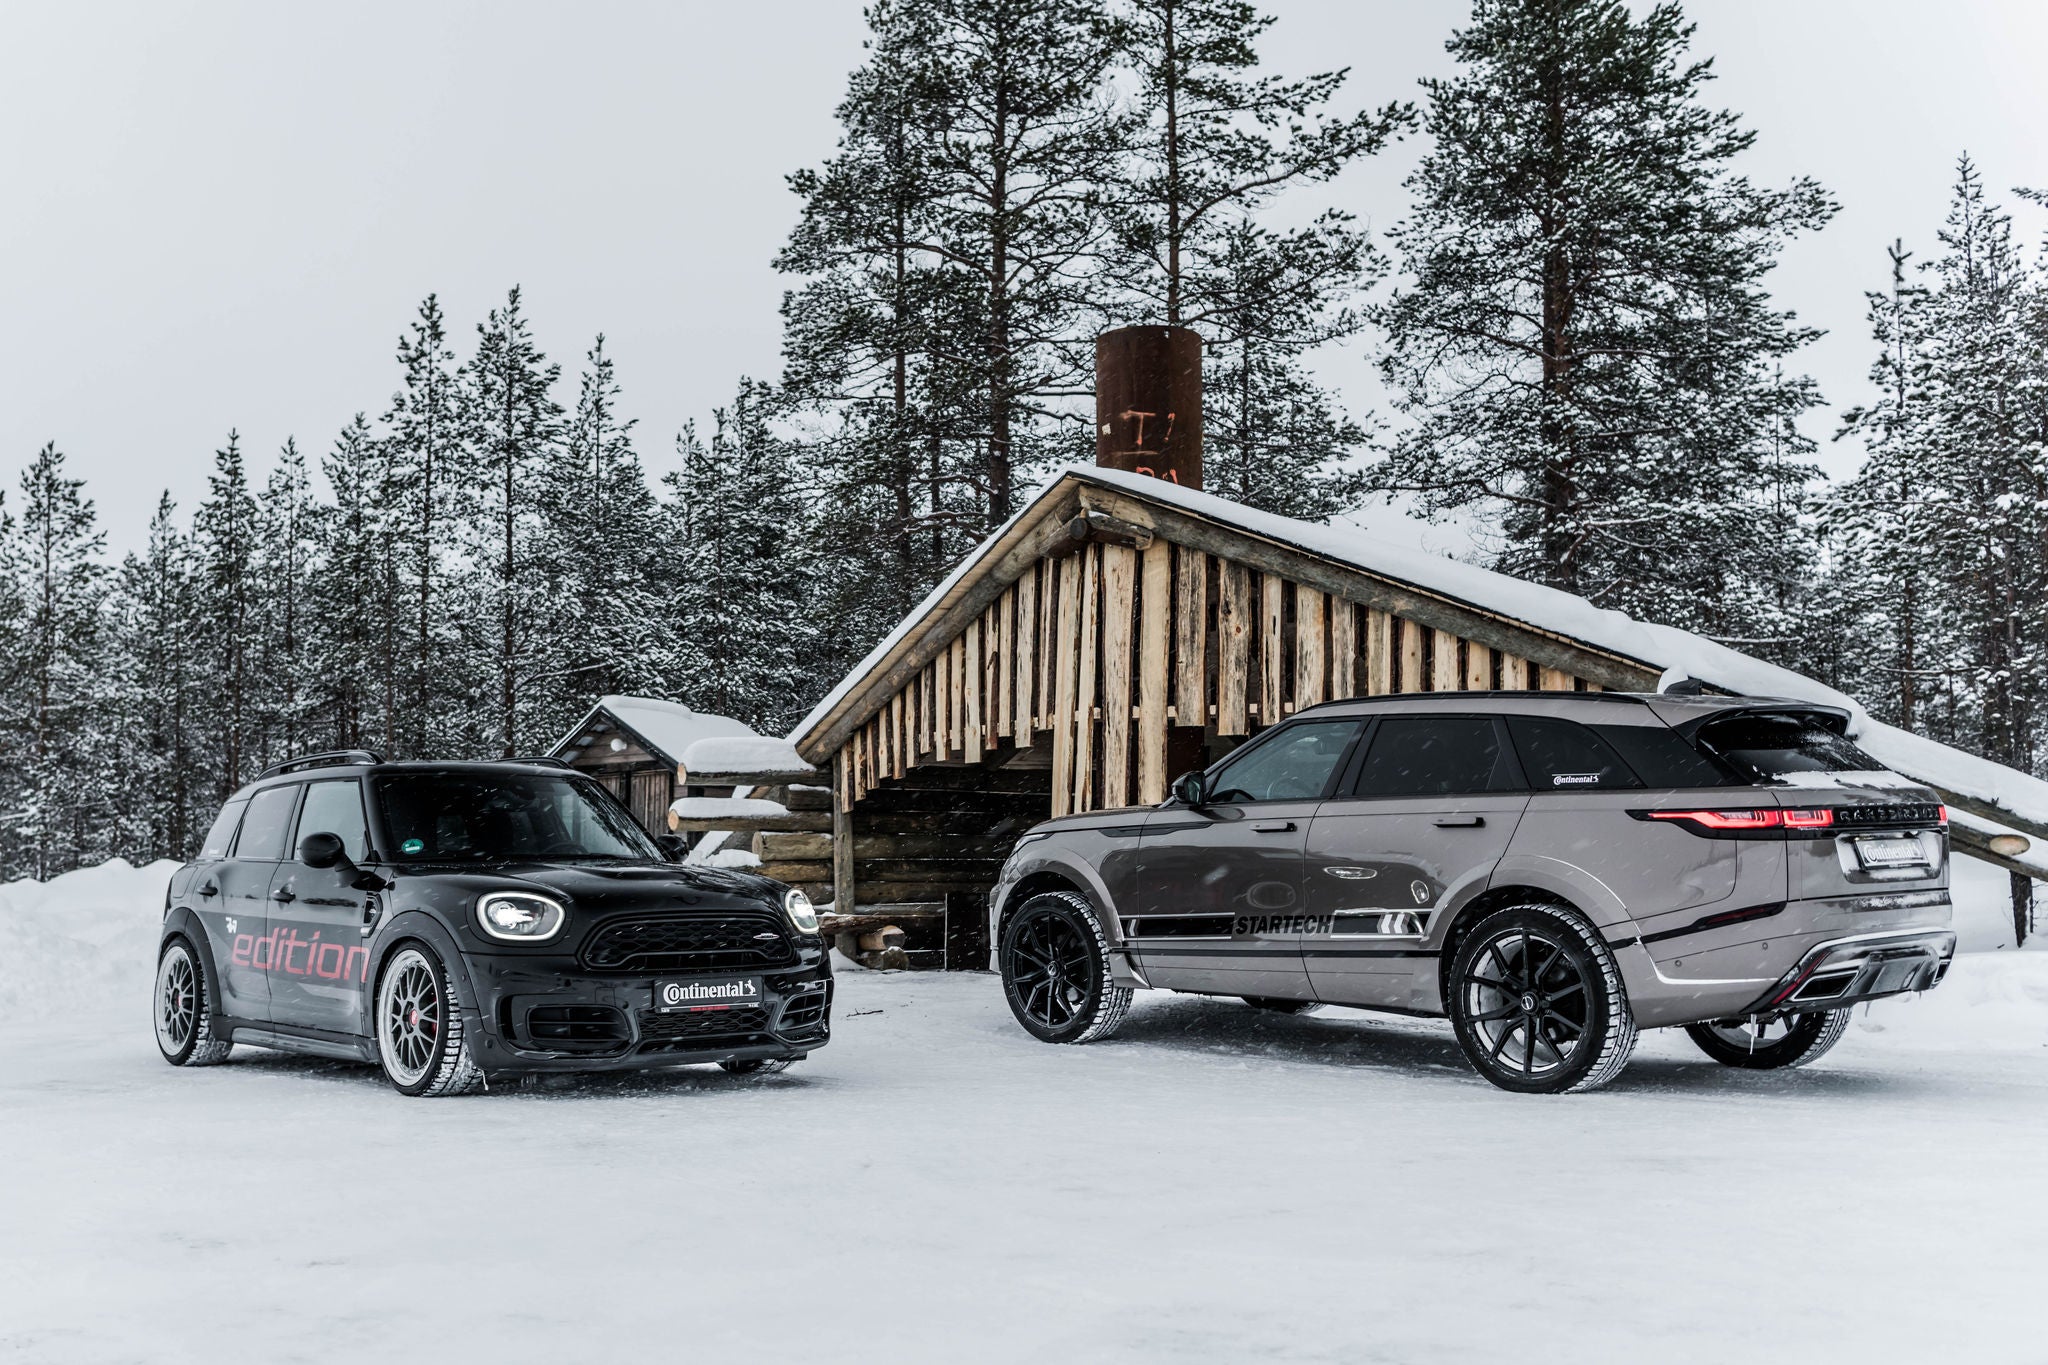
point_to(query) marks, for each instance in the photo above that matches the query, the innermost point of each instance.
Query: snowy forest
(1570, 314)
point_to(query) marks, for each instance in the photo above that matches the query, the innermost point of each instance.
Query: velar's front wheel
(1054, 961)
(1538, 1004)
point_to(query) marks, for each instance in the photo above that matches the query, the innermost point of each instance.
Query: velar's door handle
(1461, 822)
(1274, 827)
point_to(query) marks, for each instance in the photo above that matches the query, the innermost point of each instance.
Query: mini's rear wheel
(1056, 973)
(420, 1037)
(1767, 1043)
(758, 1066)
(1278, 1006)
(1538, 1003)
(184, 1009)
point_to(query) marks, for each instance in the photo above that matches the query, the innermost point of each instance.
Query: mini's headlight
(798, 907)
(519, 916)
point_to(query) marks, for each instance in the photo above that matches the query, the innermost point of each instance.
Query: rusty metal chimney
(1148, 402)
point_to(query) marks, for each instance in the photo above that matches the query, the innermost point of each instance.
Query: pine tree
(517, 426)
(283, 564)
(54, 715)
(227, 534)
(163, 676)
(358, 596)
(1584, 343)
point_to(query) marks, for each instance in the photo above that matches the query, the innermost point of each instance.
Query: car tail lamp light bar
(1782, 822)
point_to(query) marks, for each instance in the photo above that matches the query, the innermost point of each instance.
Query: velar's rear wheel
(1765, 1043)
(1278, 1006)
(184, 1009)
(1538, 1003)
(1054, 961)
(421, 1040)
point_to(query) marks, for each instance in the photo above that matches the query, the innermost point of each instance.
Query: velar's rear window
(1772, 745)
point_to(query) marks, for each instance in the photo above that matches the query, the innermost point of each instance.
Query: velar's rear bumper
(1845, 971)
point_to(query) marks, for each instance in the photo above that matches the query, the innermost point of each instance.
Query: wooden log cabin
(1124, 627)
(635, 746)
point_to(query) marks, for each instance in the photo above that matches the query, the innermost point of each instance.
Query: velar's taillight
(1757, 820)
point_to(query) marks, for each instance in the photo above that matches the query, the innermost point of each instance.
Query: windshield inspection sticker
(413, 846)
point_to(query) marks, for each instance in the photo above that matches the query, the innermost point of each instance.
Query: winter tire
(1277, 1006)
(758, 1066)
(1538, 1003)
(420, 1038)
(184, 1009)
(1765, 1044)
(1056, 973)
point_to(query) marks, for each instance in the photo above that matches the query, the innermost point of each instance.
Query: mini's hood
(612, 886)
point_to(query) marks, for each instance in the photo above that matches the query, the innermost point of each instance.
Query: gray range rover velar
(1552, 871)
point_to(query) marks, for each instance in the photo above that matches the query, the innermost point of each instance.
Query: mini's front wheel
(1538, 1004)
(1056, 973)
(1767, 1043)
(420, 1036)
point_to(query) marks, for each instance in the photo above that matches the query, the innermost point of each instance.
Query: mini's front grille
(692, 1030)
(690, 943)
(1890, 814)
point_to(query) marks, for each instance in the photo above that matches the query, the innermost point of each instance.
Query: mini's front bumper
(1847, 971)
(536, 1019)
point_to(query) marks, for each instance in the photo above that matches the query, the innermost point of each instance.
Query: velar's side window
(267, 824)
(221, 836)
(335, 808)
(1295, 764)
(1563, 755)
(1436, 756)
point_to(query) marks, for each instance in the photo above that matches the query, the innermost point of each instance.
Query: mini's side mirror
(322, 851)
(673, 845)
(1191, 789)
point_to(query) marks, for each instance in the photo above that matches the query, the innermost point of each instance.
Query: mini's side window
(268, 824)
(221, 837)
(1436, 756)
(1295, 764)
(1563, 755)
(334, 808)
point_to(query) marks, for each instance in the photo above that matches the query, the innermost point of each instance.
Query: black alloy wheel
(1056, 972)
(1275, 1005)
(1538, 1004)
(1768, 1042)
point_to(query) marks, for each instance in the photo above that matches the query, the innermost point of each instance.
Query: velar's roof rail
(333, 758)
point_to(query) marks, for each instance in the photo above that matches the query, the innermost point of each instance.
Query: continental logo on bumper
(1257, 926)
(709, 993)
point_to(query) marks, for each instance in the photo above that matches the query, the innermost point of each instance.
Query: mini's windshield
(434, 817)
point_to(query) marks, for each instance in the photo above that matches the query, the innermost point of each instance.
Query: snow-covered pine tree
(1584, 342)
(430, 478)
(161, 677)
(358, 596)
(516, 425)
(226, 533)
(737, 562)
(285, 516)
(55, 704)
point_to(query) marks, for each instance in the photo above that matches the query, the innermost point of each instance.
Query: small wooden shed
(635, 746)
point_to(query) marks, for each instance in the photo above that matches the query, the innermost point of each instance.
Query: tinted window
(1662, 758)
(1434, 756)
(1563, 755)
(1295, 764)
(268, 824)
(221, 837)
(334, 808)
(1770, 746)
(479, 816)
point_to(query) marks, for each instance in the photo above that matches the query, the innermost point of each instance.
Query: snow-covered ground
(1212, 1184)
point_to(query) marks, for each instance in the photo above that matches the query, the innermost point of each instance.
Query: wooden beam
(1445, 675)
(1006, 667)
(1410, 655)
(1119, 613)
(1048, 643)
(1379, 653)
(1343, 649)
(1478, 667)
(1088, 687)
(1233, 649)
(1191, 637)
(803, 821)
(1555, 680)
(1155, 628)
(1065, 646)
(971, 731)
(1311, 650)
(1273, 667)
(1026, 656)
(1514, 673)
(842, 835)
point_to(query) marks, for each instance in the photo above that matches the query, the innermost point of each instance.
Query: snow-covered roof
(668, 728)
(1664, 649)
(749, 754)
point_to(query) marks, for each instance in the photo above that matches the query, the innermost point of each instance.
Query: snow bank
(86, 936)
(725, 808)
(743, 754)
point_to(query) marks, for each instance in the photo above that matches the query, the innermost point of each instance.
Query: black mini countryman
(457, 921)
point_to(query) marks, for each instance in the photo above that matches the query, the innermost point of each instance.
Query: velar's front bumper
(536, 1019)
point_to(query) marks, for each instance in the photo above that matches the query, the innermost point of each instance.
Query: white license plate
(1889, 852)
(708, 993)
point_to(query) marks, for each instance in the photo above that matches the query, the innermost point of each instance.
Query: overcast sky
(221, 215)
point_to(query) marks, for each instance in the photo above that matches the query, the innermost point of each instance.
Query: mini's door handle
(1274, 827)
(1461, 822)
(209, 890)
(283, 894)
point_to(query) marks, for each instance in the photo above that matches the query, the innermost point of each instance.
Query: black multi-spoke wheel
(1279, 1006)
(1767, 1042)
(420, 1037)
(1538, 1004)
(1056, 974)
(184, 1009)
(758, 1066)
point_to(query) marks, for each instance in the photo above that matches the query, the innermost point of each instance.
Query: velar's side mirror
(1191, 789)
